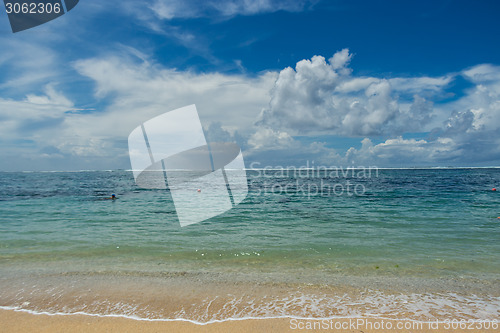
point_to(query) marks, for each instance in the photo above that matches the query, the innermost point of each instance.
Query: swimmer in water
(112, 197)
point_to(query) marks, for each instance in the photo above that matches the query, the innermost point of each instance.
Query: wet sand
(17, 321)
(205, 298)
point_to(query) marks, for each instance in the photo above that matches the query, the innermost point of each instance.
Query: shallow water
(424, 237)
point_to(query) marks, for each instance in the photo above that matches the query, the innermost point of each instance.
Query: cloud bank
(320, 96)
(323, 97)
(270, 115)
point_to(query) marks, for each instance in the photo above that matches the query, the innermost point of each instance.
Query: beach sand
(17, 321)
(205, 297)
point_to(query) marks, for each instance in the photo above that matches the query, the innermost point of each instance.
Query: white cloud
(483, 74)
(470, 135)
(320, 97)
(356, 84)
(483, 100)
(170, 9)
(275, 148)
(270, 139)
(404, 152)
(140, 91)
(340, 61)
(420, 84)
(29, 127)
(134, 92)
(22, 119)
(26, 63)
(323, 97)
(160, 17)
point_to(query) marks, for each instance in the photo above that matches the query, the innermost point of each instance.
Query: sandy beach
(15, 321)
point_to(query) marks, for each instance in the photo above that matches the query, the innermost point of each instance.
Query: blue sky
(340, 83)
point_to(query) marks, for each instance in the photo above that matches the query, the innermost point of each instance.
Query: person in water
(112, 197)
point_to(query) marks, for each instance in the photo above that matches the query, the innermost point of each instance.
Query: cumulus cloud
(270, 139)
(324, 97)
(404, 152)
(469, 136)
(482, 100)
(320, 96)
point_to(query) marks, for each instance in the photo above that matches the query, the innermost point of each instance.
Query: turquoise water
(394, 225)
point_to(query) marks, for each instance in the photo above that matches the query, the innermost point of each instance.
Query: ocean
(419, 244)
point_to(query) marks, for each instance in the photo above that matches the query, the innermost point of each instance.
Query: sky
(294, 83)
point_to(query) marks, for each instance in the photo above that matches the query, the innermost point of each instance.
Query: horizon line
(275, 169)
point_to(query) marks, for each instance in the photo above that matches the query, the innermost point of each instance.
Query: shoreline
(209, 298)
(206, 298)
(15, 320)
